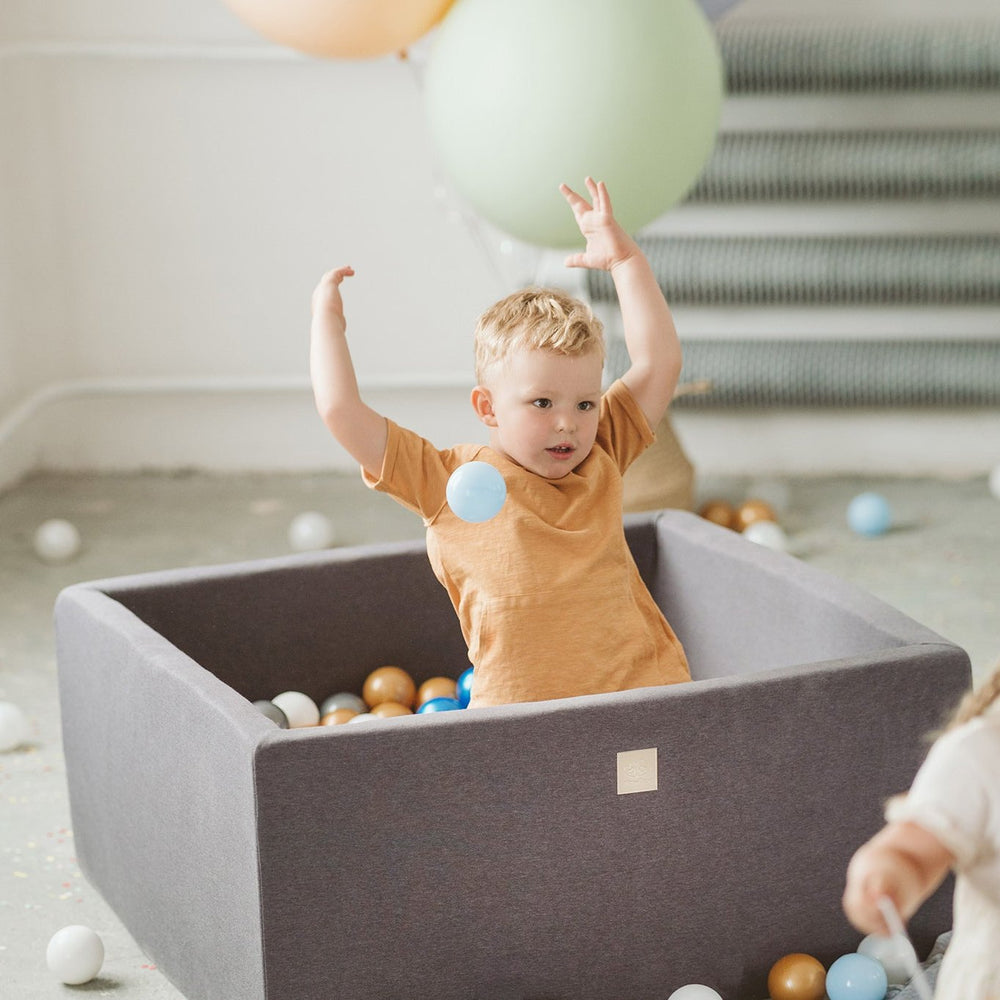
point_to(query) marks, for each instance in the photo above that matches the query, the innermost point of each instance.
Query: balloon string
(895, 925)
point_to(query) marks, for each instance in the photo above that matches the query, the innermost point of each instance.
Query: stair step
(762, 57)
(755, 166)
(827, 270)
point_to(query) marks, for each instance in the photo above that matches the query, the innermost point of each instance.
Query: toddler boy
(548, 596)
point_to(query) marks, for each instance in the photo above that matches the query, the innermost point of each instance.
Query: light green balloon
(522, 95)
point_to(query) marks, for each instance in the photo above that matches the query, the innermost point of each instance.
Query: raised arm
(360, 429)
(650, 336)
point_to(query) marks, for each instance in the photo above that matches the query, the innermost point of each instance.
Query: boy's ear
(482, 403)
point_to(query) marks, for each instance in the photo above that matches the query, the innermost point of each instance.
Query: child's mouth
(561, 450)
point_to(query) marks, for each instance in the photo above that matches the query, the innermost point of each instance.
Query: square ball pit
(487, 854)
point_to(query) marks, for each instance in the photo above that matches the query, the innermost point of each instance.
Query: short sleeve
(623, 432)
(414, 472)
(950, 796)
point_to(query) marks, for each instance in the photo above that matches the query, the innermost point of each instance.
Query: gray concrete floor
(939, 564)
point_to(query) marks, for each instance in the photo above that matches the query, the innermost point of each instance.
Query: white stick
(888, 908)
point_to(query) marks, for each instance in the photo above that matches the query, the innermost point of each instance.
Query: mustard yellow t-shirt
(549, 599)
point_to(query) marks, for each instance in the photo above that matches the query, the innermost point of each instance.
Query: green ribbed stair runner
(816, 270)
(896, 55)
(776, 166)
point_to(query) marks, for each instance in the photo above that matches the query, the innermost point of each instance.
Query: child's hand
(326, 296)
(607, 243)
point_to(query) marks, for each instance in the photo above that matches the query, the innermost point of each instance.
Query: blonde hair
(976, 701)
(543, 319)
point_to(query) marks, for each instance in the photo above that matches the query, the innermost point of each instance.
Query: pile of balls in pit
(387, 692)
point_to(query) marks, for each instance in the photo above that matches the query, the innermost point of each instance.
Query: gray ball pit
(493, 853)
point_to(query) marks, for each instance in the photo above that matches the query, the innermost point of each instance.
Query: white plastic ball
(310, 531)
(695, 991)
(14, 729)
(56, 540)
(994, 482)
(895, 954)
(362, 717)
(75, 955)
(300, 710)
(768, 534)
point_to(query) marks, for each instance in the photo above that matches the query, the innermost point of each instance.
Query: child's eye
(542, 404)
(586, 405)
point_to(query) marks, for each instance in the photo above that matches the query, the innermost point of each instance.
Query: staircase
(842, 247)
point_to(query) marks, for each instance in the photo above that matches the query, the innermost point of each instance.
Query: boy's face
(543, 409)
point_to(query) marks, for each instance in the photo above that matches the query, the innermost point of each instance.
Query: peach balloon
(389, 684)
(797, 977)
(341, 29)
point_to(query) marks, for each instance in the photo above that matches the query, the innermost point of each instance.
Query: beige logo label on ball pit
(636, 771)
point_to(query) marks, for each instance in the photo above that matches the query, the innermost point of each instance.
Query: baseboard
(272, 426)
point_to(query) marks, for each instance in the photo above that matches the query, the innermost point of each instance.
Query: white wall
(172, 186)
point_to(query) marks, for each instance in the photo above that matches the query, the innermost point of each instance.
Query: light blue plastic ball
(869, 514)
(439, 705)
(856, 977)
(464, 692)
(476, 492)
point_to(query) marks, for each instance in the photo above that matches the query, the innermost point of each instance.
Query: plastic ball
(56, 540)
(343, 699)
(856, 977)
(504, 78)
(869, 514)
(389, 684)
(768, 534)
(476, 492)
(895, 954)
(437, 687)
(439, 705)
(719, 512)
(463, 690)
(797, 977)
(390, 710)
(695, 991)
(75, 955)
(753, 511)
(343, 29)
(272, 712)
(14, 729)
(310, 532)
(338, 717)
(994, 482)
(362, 717)
(300, 709)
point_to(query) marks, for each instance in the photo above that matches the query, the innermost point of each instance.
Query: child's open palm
(607, 243)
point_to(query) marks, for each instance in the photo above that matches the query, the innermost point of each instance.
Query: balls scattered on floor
(14, 728)
(869, 514)
(994, 482)
(856, 977)
(767, 533)
(300, 710)
(310, 531)
(895, 954)
(56, 540)
(752, 511)
(75, 955)
(797, 977)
